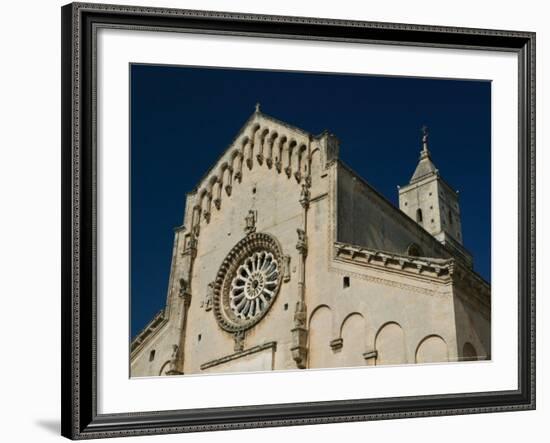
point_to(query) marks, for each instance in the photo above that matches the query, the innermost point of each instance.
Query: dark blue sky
(183, 118)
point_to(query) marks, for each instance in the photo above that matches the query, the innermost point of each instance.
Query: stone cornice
(433, 268)
(404, 220)
(155, 325)
(471, 287)
(236, 355)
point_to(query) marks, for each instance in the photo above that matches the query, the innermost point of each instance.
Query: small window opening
(152, 355)
(199, 337)
(346, 282)
(419, 215)
(254, 190)
(286, 306)
(450, 218)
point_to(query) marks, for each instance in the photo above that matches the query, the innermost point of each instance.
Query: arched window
(419, 215)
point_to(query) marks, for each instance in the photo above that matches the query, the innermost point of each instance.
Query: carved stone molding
(370, 354)
(172, 366)
(209, 297)
(305, 196)
(301, 245)
(239, 341)
(337, 344)
(286, 274)
(250, 222)
(247, 282)
(299, 346)
(243, 353)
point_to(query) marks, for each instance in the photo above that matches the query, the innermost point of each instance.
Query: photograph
(293, 220)
(279, 219)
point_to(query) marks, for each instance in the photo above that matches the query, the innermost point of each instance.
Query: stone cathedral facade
(287, 259)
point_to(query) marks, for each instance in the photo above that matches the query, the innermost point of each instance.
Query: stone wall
(329, 311)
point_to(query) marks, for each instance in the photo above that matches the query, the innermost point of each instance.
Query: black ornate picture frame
(80, 418)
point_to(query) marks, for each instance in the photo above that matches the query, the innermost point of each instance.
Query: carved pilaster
(301, 245)
(209, 297)
(286, 273)
(299, 347)
(190, 247)
(239, 341)
(305, 196)
(184, 293)
(299, 331)
(184, 297)
(173, 365)
(250, 222)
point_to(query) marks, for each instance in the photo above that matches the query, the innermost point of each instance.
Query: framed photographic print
(272, 221)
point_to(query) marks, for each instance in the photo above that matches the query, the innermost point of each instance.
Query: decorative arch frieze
(269, 153)
(279, 153)
(291, 146)
(261, 143)
(260, 155)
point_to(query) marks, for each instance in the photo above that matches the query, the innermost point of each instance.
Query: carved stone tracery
(248, 282)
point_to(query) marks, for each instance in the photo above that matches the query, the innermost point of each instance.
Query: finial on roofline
(257, 107)
(425, 133)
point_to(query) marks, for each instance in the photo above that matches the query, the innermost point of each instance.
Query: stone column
(299, 331)
(183, 302)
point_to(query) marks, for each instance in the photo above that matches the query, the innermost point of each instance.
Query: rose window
(254, 285)
(248, 282)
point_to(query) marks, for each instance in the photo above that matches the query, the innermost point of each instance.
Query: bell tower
(432, 203)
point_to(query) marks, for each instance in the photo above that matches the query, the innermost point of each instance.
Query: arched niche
(432, 349)
(390, 345)
(353, 333)
(320, 335)
(164, 368)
